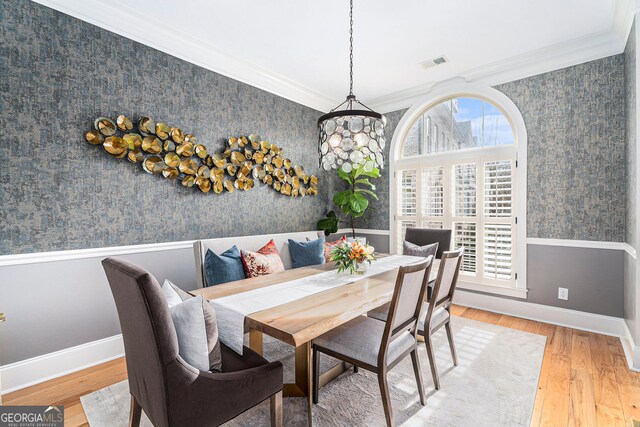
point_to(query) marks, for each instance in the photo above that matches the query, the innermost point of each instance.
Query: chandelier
(354, 136)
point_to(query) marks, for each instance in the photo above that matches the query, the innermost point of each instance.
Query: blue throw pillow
(223, 268)
(306, 253)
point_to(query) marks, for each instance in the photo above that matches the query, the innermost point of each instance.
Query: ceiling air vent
(433, 62)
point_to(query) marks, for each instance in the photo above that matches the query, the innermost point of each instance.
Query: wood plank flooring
(584, 380)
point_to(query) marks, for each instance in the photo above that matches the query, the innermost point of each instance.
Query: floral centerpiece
(352, 256)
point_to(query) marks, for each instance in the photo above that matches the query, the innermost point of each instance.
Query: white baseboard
(53, 365)
(631, 350)
(597, 323)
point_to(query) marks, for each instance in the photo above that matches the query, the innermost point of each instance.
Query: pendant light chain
(351, 139)
(350, 49)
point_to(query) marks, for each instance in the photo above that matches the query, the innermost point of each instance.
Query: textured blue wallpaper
(57, 192)
(575, 119)
(631, 236)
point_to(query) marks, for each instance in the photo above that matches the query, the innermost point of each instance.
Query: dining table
(300, 321)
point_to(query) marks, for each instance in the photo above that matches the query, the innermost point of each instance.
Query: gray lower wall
(594, 278)
(631, 296)
(56, 305)
(57, 192)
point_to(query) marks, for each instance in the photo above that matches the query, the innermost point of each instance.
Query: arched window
(455, 166)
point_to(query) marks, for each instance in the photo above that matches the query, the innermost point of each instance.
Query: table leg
(304, 378)
(255, 341)
(307, 383)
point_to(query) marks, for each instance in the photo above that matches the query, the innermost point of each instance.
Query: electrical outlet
(563, 293)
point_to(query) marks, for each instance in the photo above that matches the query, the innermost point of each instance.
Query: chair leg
(316, 374)
(432, 360)
(452, 345)
(276, 409)
(355, 369)
(135, 414)
(386, 400)
(418, 372)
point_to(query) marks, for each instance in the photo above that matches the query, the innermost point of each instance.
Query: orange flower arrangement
(352, 256)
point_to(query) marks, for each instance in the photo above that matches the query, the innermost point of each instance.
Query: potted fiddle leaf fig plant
(352, 202)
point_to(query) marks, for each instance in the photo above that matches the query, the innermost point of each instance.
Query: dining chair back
(438, 313)
(447, 278)
(427, 236)
(406, 303)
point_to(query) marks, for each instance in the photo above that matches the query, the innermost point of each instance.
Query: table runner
(231, 310)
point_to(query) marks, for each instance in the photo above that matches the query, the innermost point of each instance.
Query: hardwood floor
(584, 380)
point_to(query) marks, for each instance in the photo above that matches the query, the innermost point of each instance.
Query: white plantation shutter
(465, 190)
(401, 232)
(465, 236)
(498, 251)
(497, 189)
(408, 190)
(432, 224)
(433, 192)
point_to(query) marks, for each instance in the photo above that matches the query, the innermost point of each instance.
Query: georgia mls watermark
(31, 416)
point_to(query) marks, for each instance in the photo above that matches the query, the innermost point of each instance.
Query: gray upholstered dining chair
(377, 346)
(171, 392)
(427, 236)
(437, 311)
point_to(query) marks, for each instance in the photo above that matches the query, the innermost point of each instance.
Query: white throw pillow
(195, 324)
(171, 294)
(188, 319)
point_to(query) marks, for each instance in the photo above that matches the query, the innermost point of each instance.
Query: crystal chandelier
(351, 137)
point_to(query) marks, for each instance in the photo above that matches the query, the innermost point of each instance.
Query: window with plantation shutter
(465, 236)
(464, 180)
(465, 190)
(497, 189)
(433, 192)
(408, 193)
(497, 251)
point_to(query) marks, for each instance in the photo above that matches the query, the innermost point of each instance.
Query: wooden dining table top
(300, 321)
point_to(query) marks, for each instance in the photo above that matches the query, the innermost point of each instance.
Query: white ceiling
(299, 48)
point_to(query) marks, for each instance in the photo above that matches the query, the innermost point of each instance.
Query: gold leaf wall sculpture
(169, 152)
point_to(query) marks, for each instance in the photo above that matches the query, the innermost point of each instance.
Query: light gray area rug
(494, 384)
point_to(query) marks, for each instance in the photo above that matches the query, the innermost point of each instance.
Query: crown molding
(128, 23)
(539, 61)
(550, 58)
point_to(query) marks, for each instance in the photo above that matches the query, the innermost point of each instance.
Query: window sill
(493, 289)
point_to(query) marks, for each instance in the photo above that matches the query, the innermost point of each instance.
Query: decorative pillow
(265, 261)
(409, 248)
(223, 268)
(329, 246)
(307, 253)
(196, 327)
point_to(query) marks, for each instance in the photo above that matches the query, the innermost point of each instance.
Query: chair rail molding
(586, 244)
(54, 256)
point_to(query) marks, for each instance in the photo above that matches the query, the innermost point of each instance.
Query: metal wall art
(168, 151)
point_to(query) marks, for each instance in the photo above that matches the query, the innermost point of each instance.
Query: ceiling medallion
(353, 136)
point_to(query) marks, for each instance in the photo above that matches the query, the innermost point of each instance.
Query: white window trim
(396, 162)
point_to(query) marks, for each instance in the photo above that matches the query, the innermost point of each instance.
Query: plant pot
(362, 240)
